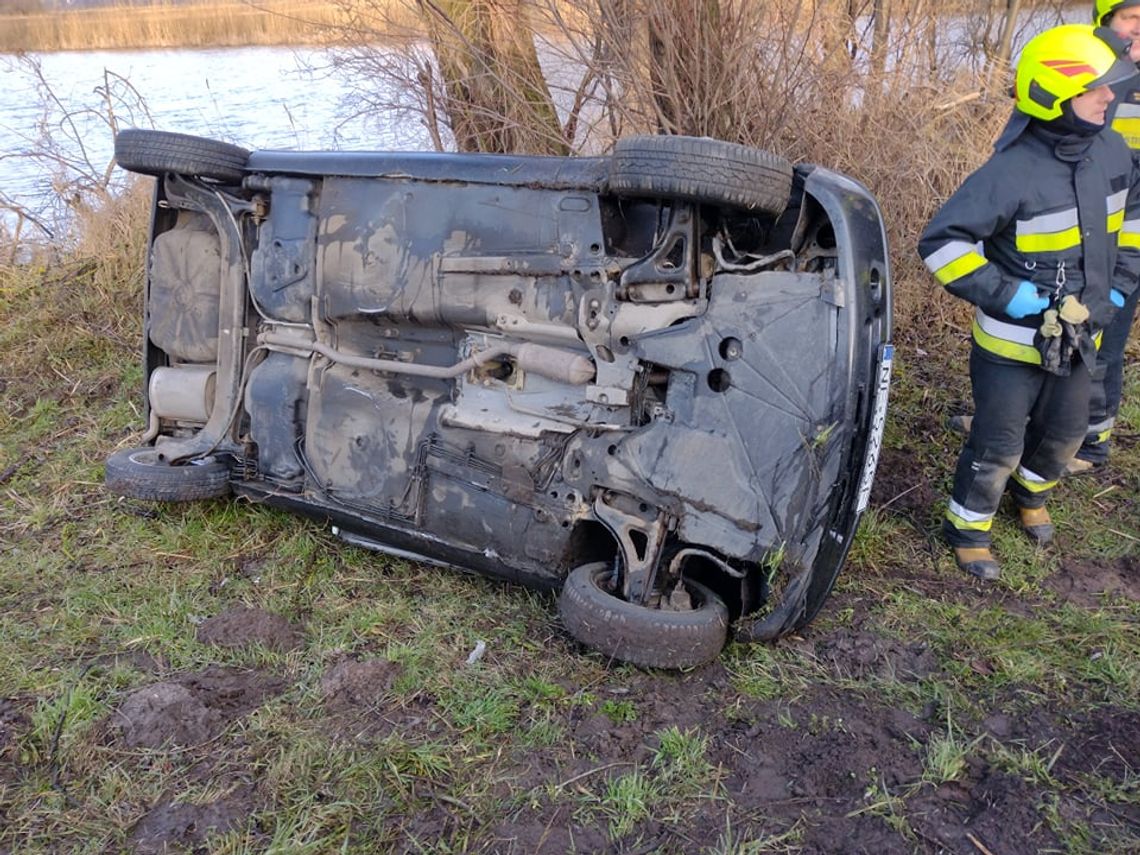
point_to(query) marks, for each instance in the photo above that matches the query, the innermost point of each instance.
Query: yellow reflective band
(1050, 241)
(1096, 339)
(959, 523)
(1128, 128)
(1129, 239)
(1115, 221)
(1008, 349)
(959, 267)
(1032, 486)
(1103, 436)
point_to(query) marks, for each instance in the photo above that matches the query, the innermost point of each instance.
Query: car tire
(158, 152)
(703, 170)
(654, 638)
(137, 473)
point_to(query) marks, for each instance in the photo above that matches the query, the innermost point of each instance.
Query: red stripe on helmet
(1069, 67)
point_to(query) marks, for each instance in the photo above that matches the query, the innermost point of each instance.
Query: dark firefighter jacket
(1124, 111)
(1060, 212)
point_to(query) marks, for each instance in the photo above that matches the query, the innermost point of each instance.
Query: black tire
(137, 473)
(653, 638)
(158, 152)
(703, 170)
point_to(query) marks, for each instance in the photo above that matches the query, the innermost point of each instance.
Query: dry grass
(205, 24)
(92, 283)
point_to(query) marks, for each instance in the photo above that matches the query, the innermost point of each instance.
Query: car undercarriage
(654, 380)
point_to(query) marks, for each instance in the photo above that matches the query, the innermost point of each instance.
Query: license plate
(878, 422)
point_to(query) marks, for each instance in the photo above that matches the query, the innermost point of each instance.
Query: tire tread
(155, 153)
(701, 170)
(125, 475)
(647, 637)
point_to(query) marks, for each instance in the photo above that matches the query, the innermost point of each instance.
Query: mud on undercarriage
(654, 380)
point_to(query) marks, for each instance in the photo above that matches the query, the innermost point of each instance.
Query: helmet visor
(1123, 67)
(1120, 70)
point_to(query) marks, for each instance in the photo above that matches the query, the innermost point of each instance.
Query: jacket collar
(1067, 147)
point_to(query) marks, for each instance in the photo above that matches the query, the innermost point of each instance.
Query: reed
(206, 24)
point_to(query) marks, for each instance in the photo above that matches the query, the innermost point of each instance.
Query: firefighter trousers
(1027, 425)
(1107, 382)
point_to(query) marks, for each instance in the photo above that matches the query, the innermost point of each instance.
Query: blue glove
(1025, 301)
(1116, 297)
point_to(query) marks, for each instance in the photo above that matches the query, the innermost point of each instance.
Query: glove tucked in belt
(1059, 335)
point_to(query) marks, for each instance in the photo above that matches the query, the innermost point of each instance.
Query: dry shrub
(912, 147)
(65, 305)
(71, 262)
(111, 240)
(469, 71)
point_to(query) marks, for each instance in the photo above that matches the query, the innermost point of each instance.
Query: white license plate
(878, 422)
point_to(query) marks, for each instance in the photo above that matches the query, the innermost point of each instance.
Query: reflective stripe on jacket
(1062, 213)
(1124, 111)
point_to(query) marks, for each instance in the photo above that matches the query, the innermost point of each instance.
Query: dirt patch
(14, 722)
(805, 765)
(1089, 585)
(899, 488)
(818, 751)
(1104, 742)
(351, 684)
(1004, 816)
(244, 627)
(170, 827)
(191, 709)
(859, 654)
(556, 833)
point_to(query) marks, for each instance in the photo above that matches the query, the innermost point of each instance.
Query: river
(257, 97)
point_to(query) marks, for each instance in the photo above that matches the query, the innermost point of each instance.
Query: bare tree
(73, 180)
(494, 92)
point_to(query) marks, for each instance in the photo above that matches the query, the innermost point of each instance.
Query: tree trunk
(493, 90)
(1001, 57)
(880, 40)
(687, 67)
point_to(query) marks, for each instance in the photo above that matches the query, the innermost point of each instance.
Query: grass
(946, 754)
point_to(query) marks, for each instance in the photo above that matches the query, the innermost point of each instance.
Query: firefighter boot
(1036, 524)
(977, 561)
(1079, 466)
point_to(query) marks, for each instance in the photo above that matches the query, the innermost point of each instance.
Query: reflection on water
(256, 97)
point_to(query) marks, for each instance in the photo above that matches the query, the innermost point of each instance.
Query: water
(257, 97)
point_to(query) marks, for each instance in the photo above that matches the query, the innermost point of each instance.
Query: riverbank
(206, 24)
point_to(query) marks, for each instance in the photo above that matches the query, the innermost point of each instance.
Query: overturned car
(655, 380)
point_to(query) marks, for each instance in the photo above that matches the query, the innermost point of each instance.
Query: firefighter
(1036, 239)
(1123, 17)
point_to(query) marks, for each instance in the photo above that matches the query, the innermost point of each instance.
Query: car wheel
(699, 169)
(158, 152)
(655, 638)
(137, 473)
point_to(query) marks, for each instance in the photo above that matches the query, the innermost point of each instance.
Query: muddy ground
(811, 765)
(815, 776)
(830, 768)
